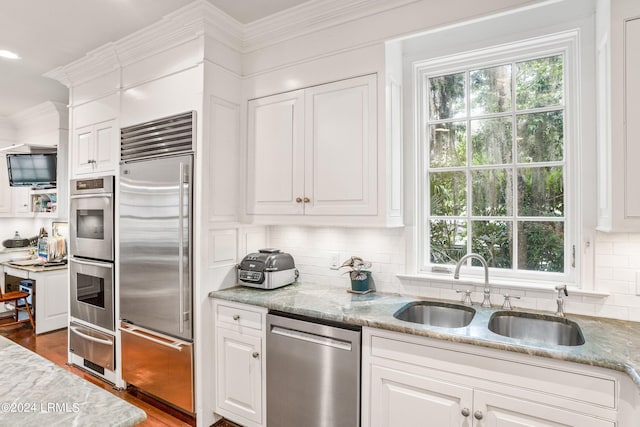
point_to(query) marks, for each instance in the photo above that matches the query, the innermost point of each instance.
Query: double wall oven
(91, 271)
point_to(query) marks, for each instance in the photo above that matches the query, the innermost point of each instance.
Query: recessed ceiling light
(8, 54)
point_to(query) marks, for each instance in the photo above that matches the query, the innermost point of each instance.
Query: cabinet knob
(478, 415)
(298, 200)
(255, 354)
(236, 317)
(465, 412)
(307, 200)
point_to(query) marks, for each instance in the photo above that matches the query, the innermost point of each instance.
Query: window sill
(447, 278)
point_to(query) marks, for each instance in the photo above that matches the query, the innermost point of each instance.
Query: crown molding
(97, 62)
(190, 22)
(47, 109)
(310, 17)
(183, 25)
(202, 19)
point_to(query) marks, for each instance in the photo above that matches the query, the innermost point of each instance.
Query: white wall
(312, 247)
(617, 264)
(27, 227)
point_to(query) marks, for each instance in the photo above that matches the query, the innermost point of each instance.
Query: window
(496, 176)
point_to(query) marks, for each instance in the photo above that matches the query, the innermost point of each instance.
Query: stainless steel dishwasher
(313, 372)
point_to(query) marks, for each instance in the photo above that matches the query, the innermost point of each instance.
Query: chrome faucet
(486, 302)
(560, 300)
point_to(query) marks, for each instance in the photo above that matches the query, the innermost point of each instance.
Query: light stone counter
(36, 392)
(35, 268)
(611, 344)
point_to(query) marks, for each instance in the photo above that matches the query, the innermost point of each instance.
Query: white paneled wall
(617, 267)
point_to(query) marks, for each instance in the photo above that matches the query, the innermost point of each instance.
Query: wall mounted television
(32, 170)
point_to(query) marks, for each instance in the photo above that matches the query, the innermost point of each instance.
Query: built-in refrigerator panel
(155, 201)
(158, 364)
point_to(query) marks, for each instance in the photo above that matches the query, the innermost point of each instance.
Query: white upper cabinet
(95, 137)
(313, 153)
(21, 201)
(619, 109)
(95, 148)
(341, 148)
(14, 201)
(275, 154)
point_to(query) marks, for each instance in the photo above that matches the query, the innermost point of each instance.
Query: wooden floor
(53, 346)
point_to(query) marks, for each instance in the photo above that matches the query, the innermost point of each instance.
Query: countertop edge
(612, 362)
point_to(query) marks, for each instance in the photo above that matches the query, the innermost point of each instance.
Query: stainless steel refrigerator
(155, 275)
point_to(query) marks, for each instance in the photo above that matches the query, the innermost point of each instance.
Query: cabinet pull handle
(306, 200)
(236, 317)
(478, 415)
(298, 200)
(465, 412)
(255, 354)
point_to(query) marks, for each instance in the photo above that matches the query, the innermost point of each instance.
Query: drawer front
(585, 387)
(23, 274)
(235, 316)
(92, 345)
(159, 364)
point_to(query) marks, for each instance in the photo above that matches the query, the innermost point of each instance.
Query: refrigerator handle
(176, 345)
(181, 249)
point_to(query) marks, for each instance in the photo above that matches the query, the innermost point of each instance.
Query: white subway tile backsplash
(617, 259)
(624, 275)
(626, 248)
(611, 237)
(634, 314)
(615, 311)
(612, 261)
(603, 273)
(603, 248)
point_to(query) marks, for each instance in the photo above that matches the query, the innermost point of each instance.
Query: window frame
(565, 43)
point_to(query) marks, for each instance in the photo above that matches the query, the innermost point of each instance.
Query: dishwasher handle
(312, 338)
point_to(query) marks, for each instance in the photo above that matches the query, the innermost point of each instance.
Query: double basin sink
(527, 327)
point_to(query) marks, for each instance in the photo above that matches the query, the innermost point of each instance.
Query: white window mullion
(469, 157)
(514, 169)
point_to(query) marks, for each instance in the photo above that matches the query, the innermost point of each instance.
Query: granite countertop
(12, 250)
(35, 268)
(36, 392)
(612, 344)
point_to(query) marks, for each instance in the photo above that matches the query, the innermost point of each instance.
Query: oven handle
(92, 196)
(92, 263)
(90, 338)
(176, 345)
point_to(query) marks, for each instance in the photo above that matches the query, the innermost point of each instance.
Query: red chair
(14, 297)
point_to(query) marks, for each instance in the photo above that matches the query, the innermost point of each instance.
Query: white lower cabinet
(400, 398)
(497, 410)
(240, 364)
(51, 290)
(415, 381)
